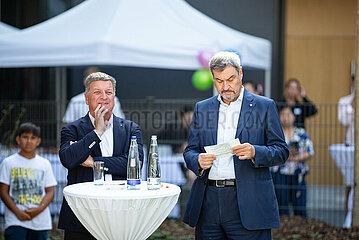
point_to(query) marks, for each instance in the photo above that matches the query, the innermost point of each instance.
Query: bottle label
(133, 181)
(153, 181)
(133, 162)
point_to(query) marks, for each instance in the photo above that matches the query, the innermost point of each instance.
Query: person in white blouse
(77, 106)
(346, 115)
(346, 118)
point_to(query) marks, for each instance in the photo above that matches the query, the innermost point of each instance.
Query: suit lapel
(88, 127)
(117, 141)
(86, 124)
(246, 110)
(213, 119)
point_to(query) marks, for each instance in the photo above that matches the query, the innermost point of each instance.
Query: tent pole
(267, 83)
(63, 90)
(58, 107)
(60, 96)
(355, 211)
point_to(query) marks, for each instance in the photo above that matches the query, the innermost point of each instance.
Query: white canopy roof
(143, 33)
(5, 28)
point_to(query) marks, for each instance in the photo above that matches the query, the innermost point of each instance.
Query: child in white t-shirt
(27, 188)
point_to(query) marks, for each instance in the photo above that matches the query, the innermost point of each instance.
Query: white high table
(110, 211)
(344, 159)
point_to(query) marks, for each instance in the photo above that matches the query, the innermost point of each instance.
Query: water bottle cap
(133, 137)
(154, 137)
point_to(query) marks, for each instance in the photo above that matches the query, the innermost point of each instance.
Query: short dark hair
(29, 127)
(254, 85)
(187, 108)
(283, 105)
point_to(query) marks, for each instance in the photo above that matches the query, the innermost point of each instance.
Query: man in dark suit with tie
(98, 136)
(233, 196)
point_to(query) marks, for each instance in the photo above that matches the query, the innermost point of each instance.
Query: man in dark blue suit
(233, 197)
(98, 136)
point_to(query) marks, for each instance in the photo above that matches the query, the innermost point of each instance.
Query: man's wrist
(98, 133)
(253, 158)
(253, 151)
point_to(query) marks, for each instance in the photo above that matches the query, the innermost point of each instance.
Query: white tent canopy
(5, 28)
(143, 33)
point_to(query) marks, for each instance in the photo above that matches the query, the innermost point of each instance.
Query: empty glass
(98, 173)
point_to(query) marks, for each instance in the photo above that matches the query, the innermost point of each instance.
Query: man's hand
(33, 212)
(205, 160)
(244, 151)
(88, 162)
(22, 215)
(100, 122)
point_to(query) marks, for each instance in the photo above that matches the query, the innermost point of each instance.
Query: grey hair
(99, 76)
(223, 59)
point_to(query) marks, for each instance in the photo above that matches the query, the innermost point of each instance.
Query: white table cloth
(112, 212)
(171, 172)
(344, 159)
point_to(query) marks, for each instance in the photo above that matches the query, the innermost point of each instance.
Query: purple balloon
(204, 57)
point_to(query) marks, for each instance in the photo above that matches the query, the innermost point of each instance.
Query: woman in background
(292, 91)
(289, 178)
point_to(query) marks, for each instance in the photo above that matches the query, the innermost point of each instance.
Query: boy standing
(27, 188)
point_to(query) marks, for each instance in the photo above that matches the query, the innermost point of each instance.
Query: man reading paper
(233, 197)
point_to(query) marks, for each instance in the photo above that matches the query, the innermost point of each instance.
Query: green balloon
(202, 79)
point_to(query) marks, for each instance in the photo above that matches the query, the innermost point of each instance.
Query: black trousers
(220, 218)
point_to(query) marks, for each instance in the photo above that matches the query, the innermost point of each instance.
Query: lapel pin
(250, 104)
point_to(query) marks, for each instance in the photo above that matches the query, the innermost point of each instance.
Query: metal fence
(326, 189)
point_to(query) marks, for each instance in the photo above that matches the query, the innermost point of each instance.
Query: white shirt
(27, 179)
(228, 115)
(106, 144)
(346, 117)
(78, 108)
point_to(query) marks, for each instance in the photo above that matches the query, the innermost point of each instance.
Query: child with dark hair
(28, 128)
(27, 188)
(289, 178)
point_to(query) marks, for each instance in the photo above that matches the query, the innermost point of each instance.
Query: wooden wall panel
(319, 46)
(321, 17)
(321, 65)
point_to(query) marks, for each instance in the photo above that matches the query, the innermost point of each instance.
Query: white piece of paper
(223, 149)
